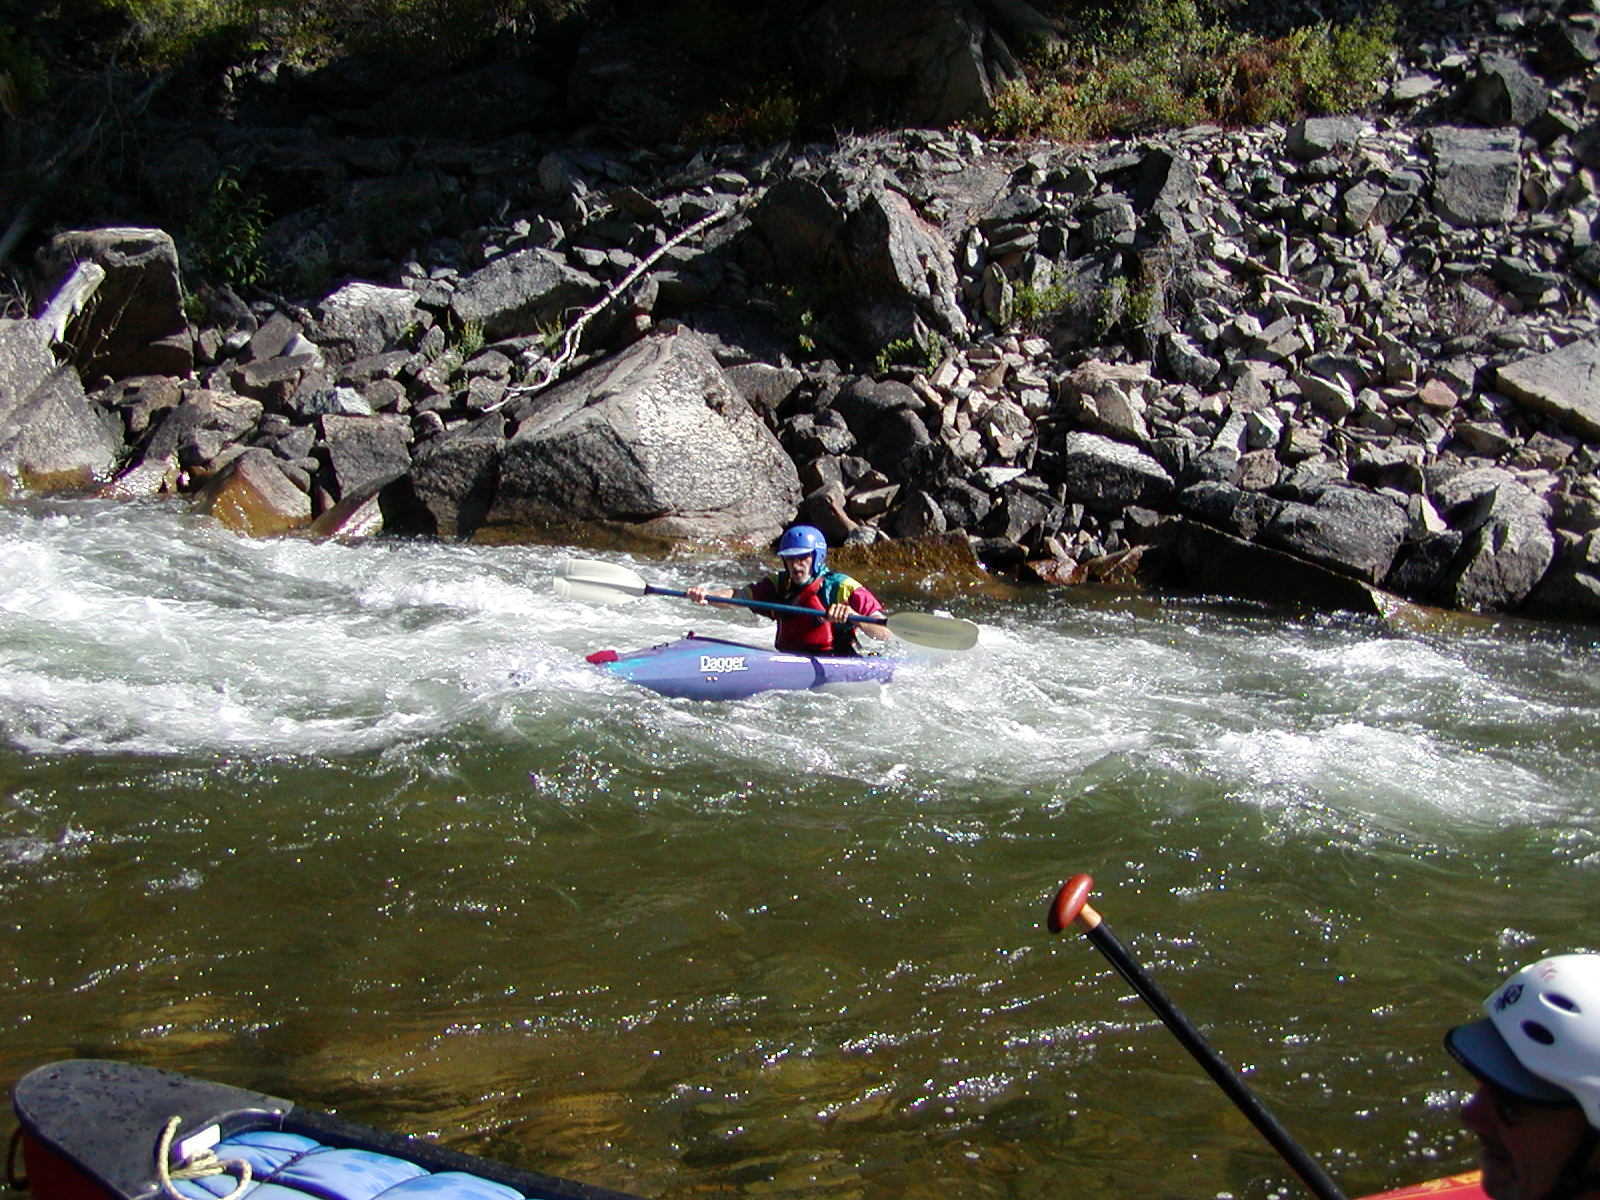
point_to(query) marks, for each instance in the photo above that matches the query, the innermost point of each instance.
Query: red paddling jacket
(807, 635)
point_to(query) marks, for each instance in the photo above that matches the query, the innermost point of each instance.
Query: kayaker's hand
(840, 612)
(697, 594)
(874, 629)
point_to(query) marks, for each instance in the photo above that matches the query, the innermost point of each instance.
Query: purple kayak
(703, 668)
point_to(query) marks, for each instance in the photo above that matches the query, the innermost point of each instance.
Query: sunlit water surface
(356, 824)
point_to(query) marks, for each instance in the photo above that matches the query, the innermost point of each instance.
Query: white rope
(197, 1166)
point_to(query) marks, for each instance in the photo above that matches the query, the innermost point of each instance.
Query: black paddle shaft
(1309, 1170)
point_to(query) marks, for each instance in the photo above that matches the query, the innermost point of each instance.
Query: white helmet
(1541, 1039)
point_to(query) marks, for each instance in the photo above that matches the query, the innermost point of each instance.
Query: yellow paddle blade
(927, 629)
(596, 582)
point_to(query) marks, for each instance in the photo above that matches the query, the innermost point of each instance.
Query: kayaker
(1536, 1057)
(807, 582)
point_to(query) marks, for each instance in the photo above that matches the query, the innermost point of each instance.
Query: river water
(356, 824)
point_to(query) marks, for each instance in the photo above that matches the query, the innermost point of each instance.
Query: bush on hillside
(165, 32)
(1167, 63)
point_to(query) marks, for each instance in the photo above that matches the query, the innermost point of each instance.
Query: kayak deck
(93, 1129)
(1467, 1186)
(705, 668)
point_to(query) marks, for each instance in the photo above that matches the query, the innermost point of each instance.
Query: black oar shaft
(1071, 897)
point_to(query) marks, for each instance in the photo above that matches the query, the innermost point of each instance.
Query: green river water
(356, 825)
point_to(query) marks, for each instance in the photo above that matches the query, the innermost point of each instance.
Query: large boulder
(454, 478)
(362, 319)
(1232, 509)
(1108, 398)
(252, 496)
(886, 273)
(51, 437)
(922, 64)
(520, 292)
(883, 417)
(655, 439)
(1508, 546)
(1105, 474)
(1563, 384)
(136, 325)
(1477, 175)
(1198, 558)
(1345, 529)
(365, 450)
(1571, 587)
(904, 270)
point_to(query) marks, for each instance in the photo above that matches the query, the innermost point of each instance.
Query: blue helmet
(804, 539)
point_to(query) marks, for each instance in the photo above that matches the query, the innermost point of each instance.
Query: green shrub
(224, 239)
(1166, 64)
(1336, 60)
(912, 352)
(759, 119)
(1025, 109)
(1036, 309)
(23, 80)
(470, 340)
(167, 31)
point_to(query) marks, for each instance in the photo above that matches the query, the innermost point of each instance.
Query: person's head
(804, 552)
(1536, 1056)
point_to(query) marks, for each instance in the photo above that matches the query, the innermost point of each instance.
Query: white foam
(137, 629)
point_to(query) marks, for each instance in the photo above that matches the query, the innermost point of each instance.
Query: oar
(1071, 904)
(603, 582)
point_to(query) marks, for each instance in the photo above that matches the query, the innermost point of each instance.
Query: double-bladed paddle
(603, 582)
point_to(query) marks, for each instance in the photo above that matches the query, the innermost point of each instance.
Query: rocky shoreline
(1334, 364)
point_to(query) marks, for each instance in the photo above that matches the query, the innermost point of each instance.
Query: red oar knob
(1071, 904)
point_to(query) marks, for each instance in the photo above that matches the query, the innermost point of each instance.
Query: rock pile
(1331, 363)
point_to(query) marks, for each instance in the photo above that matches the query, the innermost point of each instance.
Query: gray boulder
(654, 438)
(1102, 473)
(1318, 137)
(1477, 175)
(1570, 590)
(887, 272)
(51, 437)
(904, 264)
(1345, 529)
(1379, 199)
(520, 292)
(362, 319)
(1108, 398)
(454, 478)
(1563, 384)
(1199, 558)
(883, 417)
(1508, 548)
(1228, 508)
(1502, 92)
(363, 450)
(1423, 563)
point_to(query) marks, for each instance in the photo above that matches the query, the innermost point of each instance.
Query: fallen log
(71, 298)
